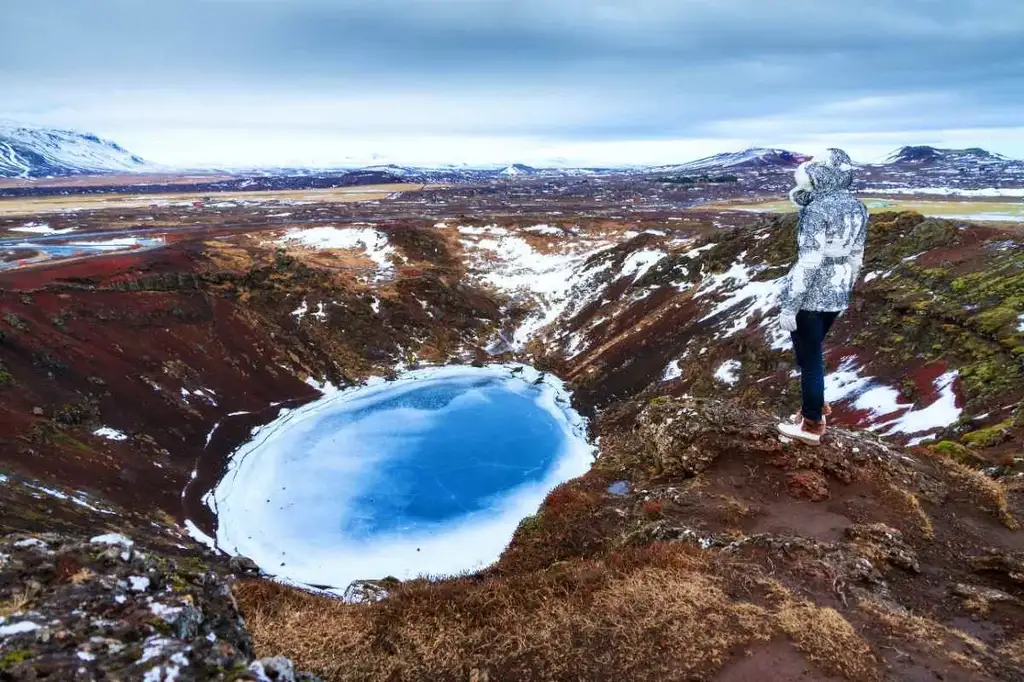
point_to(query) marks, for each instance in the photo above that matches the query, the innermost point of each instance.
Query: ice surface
(428, 474)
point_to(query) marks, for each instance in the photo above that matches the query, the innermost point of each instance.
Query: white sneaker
(806, 431)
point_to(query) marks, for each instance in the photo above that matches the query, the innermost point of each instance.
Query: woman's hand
(787, 321)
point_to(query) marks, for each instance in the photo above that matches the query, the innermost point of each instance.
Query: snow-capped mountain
(921, 155)
(517, 169)
(934, 169)
(753, 158)
(31, 152)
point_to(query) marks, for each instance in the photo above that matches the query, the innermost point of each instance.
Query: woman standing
(830, 239)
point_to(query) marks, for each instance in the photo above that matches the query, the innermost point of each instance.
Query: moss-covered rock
(989, 436)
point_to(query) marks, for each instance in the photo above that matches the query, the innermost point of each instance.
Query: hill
(31, 152)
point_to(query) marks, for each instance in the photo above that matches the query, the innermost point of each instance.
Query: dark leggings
(811, 328)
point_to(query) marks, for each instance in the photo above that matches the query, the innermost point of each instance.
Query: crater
(425, 475)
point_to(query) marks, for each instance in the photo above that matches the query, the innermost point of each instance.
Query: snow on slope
(373, 242)
(508, 263)
(923, 154)
(755, 157)
(37, 152)
(950, 191)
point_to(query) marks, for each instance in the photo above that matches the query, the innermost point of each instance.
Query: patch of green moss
(956, 452)
(996, 319)
(14, 658)
(5, 377)
(192, 564)
(529, 525)
(989, 436)
(659, 400)
(62, 438)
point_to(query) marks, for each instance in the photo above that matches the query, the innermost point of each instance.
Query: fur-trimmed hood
(820, 176)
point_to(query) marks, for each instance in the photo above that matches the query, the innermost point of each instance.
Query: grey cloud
(645, 68)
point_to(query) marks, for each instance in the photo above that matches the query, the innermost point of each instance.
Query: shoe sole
(800, 439)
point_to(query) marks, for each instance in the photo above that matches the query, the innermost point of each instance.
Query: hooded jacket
(830, 236)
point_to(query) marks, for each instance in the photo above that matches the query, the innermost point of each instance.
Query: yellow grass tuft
(829, 640)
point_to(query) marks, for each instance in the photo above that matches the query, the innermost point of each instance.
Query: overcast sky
(320, 82)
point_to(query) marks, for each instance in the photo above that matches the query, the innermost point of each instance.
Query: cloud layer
(557, 73)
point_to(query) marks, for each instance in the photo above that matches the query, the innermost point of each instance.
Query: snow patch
(109, 433)
(544, 229)
(18, 628)
(373, 242)
(138, 583)
(112, 539)
(728, 372)
(199, 536)
(639, 262)
(40, 228)
(672, 371)
(520, 269)
(950, 191)
(938, 415)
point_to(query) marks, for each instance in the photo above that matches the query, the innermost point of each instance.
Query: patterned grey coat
(831, 236)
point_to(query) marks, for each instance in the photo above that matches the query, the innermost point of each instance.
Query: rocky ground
(107, 608)
(699, 547)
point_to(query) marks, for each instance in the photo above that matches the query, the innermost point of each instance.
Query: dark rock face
(76, 608)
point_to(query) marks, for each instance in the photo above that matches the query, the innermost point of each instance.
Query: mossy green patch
(956, 452)
(15, 657)
(989, 436)
(529, 525)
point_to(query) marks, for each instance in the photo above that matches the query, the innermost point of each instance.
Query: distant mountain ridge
(32, 152)
(753, 158)
(923, 154)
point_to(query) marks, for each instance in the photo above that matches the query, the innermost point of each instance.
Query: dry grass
(90, 202)
(917, 512)
(734, 510)
(16, 604)
(829, 640)
(937, 639)
(978, 211)
(659, 612)
(986, 492)
(1014, 650)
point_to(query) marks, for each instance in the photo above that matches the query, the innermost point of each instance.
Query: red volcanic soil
(165, 345)
(89, 355)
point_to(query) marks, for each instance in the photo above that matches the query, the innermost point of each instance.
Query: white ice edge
(245, 525)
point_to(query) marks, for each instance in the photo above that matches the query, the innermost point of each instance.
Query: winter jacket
(831, 235)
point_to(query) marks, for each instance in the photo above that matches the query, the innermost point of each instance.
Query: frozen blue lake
(426, 475)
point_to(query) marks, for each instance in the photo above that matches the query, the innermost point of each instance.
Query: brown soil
(732, 553)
